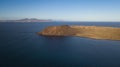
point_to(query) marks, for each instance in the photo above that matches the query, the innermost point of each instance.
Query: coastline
(95, 32)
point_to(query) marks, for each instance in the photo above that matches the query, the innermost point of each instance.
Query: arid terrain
(96, 32)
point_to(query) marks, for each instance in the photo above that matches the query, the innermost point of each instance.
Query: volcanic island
(95, 32)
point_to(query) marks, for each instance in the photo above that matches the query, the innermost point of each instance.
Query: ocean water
(20, 46)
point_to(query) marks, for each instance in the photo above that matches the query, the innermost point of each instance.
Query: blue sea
(20, 46)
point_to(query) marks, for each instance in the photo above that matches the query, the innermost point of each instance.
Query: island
(28, 20)
(96, 32)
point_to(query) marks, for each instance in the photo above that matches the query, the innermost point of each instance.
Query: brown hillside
(64, 30)
(97, 32)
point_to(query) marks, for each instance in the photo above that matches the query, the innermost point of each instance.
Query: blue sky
(73, 10)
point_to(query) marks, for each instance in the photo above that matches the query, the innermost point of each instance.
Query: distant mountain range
(28, 20)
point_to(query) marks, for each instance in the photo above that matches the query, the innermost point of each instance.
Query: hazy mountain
(28, 20)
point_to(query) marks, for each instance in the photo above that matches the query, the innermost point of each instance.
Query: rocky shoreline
(96, 32)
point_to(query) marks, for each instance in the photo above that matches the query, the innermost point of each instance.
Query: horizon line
(59, 20)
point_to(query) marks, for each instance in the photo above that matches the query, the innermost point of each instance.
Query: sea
(21, 46)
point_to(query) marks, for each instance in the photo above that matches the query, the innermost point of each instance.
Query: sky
(70, 10)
